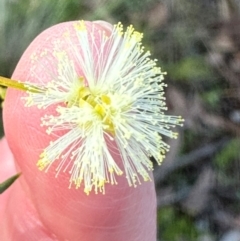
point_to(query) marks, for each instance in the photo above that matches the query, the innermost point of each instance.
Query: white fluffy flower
(116, 107)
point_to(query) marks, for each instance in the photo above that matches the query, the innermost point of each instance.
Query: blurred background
(198, 44)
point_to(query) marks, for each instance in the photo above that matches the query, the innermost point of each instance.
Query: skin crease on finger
(41, 205)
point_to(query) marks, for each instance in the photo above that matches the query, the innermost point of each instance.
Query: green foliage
(138, 5)
(6, 184)
(212, 97)
(191, 139)
(191, 68)
(175, 226)
(228, 154)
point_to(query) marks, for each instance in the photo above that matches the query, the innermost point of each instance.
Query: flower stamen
(109, 98)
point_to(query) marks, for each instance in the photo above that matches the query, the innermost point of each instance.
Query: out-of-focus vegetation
(198, 44)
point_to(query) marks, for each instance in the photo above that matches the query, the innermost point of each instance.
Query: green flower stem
(16, 84)
(12, 83)
(6, 184)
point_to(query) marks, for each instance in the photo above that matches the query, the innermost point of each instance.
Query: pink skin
(41, 207)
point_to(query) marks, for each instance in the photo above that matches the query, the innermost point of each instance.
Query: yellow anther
(83, 93)
(42, 163)
(91, 100)
(105, 99)
(138, 36)
(100, 110)
(80, 26)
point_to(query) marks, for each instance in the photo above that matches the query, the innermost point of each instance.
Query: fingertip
(118, 215)
(105, 25)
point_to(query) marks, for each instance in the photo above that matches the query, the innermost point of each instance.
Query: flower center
(99, 103)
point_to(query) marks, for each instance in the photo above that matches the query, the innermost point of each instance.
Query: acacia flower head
(114, 105)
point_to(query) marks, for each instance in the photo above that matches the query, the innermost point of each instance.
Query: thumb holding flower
(41, 204)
